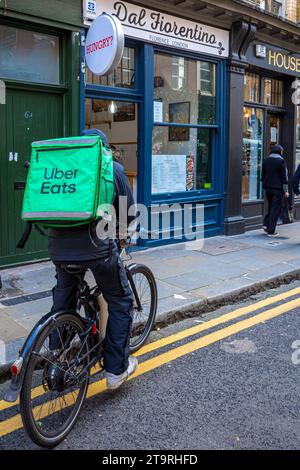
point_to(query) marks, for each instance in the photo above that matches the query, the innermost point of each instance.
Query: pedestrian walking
(275, 184)
(296, 181)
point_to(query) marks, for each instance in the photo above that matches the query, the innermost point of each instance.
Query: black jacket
(274, 173)
(81, 243)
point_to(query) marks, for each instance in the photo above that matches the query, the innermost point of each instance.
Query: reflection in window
(252, 87)
(29, 56)
(252, 153)
(206, 77)
(178, 73)
(273, 92)
(181, 159)
(185, 89)
(118, 120)
(123, 76)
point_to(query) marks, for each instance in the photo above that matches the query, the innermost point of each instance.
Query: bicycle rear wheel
(56, 381)
(144, 289)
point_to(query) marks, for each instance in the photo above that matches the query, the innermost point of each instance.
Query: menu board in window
(168, 173)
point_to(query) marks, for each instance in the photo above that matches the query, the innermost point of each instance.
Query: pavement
(191, 279)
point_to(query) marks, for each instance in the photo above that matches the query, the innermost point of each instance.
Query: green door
(27, 116)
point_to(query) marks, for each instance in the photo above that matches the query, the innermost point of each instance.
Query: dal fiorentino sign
(160, 28)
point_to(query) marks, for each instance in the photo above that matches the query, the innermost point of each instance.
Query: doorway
(119, 121)
(26, 117)
(274, 131)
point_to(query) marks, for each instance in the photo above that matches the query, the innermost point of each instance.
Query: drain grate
(26, 298)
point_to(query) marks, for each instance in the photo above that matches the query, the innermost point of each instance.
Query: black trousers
(110, 276)
(274, 198)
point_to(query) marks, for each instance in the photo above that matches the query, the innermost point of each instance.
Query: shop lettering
(56, 174)
(193, 34)
(160, 25)
(136, 19)
(98, 45)
(280, 60)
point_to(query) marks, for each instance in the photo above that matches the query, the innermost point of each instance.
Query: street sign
(104, 44)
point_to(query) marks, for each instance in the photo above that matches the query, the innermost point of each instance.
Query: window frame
(261, 102)
(215, 129)
(62, 73)
(144, 95)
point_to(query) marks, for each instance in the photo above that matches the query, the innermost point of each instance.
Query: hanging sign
(161, 28)
(104, 44)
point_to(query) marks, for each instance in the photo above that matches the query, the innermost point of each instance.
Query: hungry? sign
(104, 44)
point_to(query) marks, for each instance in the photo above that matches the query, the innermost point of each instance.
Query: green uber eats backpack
(70, 183)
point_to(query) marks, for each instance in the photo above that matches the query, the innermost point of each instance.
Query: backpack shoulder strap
(25, 235)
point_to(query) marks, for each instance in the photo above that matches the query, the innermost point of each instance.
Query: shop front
(39, 74)
(163, 111)
(269, 117)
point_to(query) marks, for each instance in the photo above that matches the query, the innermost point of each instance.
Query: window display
(252, 154)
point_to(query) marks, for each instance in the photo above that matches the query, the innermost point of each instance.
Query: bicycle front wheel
(56, 380)
(144, 289)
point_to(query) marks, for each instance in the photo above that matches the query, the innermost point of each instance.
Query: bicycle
(52, 380)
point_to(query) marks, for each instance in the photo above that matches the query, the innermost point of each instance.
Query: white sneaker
(114, 381)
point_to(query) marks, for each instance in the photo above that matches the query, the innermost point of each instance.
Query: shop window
(184, 90)
(118, 120)
(252, 153)
(29, 56)
(123, 76)
(273, 92)
(181, 159)
(252, 87)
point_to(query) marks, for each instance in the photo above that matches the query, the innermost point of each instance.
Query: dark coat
(274, 173)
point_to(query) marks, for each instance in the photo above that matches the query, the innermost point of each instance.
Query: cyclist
(81, 246)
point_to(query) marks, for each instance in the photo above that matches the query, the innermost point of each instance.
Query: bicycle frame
(133, 287)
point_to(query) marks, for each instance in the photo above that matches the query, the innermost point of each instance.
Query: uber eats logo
(53, 185)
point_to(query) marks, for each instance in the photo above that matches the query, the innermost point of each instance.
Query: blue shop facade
(164, 110)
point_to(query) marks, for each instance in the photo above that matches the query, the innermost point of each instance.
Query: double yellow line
(12, 424)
